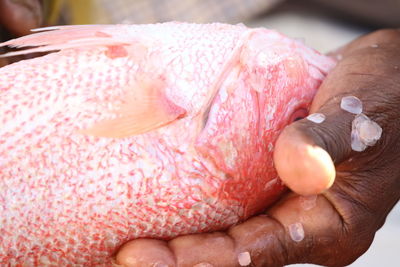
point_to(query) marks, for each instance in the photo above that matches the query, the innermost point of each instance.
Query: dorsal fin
(64, 37)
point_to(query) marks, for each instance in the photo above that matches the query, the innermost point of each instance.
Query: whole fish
(131, 131)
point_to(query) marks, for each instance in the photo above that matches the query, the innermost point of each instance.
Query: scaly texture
(69, 196)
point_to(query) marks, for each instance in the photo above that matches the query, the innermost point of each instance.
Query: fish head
(271, 85)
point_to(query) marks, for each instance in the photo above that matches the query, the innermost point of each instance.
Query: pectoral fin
(145, 108)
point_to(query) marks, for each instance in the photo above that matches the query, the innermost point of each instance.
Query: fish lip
(299, 113)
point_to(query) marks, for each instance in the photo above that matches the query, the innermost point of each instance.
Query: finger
(3, 62)
(260, 241)
(374, 40)
(204, 250)
(319, 145)
(145, 252)
(19, 16)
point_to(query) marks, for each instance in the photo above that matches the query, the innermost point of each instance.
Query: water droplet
(28, 262)
(339, 57)
(244, 258)
(270, 184)
(374, 46)
(396, 67)
(296, 232)
(308, 202)
(197, 206)
(44, 260)
(151, 201)
(351, 104)
(270, 147)
(316, 117)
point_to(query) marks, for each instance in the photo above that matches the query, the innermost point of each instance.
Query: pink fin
(145, 108)
(64, 37)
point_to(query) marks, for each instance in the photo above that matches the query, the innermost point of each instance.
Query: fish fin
(65, 37)
(145, 108)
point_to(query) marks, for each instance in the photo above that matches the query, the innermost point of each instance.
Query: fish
(121, 132)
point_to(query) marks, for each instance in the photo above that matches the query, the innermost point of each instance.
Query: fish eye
(298, 114)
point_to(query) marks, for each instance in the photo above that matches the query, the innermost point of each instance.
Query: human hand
(17, 17)
(340, 225)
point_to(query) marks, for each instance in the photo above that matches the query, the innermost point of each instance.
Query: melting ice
(316, 117)
(244, 258)
(351, 104)
(308, 202)
(364, 132)
(296, 232)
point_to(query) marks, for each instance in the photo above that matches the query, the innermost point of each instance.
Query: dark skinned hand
(17, 17)
(356, 190)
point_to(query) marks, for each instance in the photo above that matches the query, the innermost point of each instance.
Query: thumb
(306, 152)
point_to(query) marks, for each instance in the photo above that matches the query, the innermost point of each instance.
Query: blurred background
(323, 24)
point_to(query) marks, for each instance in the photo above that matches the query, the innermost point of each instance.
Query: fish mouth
(298, 114)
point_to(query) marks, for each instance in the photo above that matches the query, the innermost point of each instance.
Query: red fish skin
(71, 199)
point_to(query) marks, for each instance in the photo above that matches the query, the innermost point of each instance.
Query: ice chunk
(364, 132)
(244, 258)
(351, 104)
(316, 117)
(356, 143)
(308, 202)
(369, 132)
(296, 232)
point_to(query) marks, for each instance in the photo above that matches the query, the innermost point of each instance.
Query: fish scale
(133, 131)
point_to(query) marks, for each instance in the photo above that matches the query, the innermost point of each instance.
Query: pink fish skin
(135, 131)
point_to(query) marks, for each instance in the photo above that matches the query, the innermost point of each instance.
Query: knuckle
(341, 250)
